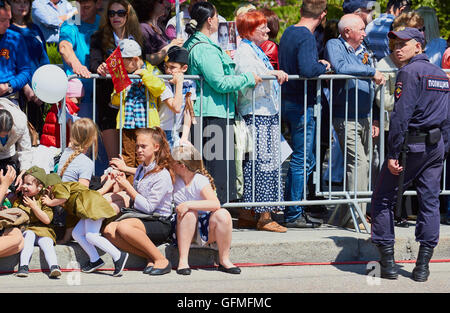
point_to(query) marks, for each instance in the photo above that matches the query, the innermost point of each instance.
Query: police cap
(408, 33)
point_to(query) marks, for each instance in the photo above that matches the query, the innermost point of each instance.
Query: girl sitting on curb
(199, 214)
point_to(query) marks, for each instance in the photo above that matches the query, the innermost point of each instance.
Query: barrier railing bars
(353, 198)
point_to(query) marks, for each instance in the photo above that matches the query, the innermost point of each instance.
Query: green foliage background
(289, 12)
(53, 54)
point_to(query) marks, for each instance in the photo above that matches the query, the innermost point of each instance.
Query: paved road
(269, 279)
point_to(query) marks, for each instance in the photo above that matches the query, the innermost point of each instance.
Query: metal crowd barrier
(353, 198)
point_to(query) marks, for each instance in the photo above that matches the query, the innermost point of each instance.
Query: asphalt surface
(261, 280)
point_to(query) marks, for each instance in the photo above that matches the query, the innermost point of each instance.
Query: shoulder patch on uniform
(398, 90)
(440, 83)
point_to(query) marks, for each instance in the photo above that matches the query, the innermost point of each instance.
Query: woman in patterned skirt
(252, 27)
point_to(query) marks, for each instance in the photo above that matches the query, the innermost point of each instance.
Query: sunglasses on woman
(120, 13)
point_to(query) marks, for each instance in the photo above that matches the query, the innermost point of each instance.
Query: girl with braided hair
(199, 217)
(75, 165)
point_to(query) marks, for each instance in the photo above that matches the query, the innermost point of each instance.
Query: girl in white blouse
(198, 211)
(150, 197)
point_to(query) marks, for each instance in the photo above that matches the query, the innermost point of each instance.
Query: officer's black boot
(387, 262)
(421, 272)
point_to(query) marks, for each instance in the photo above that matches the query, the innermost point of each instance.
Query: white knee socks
(87, 234)
(28, 247)
(45, 243)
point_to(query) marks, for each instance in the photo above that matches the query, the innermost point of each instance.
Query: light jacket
(386, 64)
(19, 142)
(155, 87)
(217, 68)
(266, 100)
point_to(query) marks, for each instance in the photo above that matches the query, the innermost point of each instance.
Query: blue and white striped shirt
(377, 35)
(46, 15)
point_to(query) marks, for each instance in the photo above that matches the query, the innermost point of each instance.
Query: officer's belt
(429, 137)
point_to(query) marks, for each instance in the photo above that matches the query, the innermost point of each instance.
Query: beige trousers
(357, 133)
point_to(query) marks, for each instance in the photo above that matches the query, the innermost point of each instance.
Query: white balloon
(49, 83)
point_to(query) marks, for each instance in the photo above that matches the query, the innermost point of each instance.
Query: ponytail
(191, 158)
(200, 13)
(83, 135)
(191, 27)
(205, 173)
(74, 154)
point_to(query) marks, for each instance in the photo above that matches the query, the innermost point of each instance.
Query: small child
(75, 91)
(91, 209)
(176, 107)
(112, 191)
(74, 164)
(39, 231)
(134, 114)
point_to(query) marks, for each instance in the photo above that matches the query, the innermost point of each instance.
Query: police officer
(421, 117)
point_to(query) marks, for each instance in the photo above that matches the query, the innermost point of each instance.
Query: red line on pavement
(241, 265)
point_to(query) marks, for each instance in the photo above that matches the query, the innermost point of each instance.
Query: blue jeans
(296, 174)
(169, 138)
(172, 138)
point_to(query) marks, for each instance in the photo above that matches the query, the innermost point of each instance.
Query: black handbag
(133, 213)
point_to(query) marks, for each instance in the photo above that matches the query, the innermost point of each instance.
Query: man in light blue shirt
(377, 31)
(49, 15)
(75, 39)
(74, 45)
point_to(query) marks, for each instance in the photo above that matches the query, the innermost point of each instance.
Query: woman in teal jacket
(219, 98)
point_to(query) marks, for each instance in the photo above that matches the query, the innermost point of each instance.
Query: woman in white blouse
(147, 225)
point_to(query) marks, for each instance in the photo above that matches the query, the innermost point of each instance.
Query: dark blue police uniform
(421, 115)
(422, 96)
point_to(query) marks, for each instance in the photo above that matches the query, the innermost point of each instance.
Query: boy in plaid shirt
(136, 97)
(176, 110)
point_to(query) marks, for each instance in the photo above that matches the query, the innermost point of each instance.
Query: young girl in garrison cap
(39, 231)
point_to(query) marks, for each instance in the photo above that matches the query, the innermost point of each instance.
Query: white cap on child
(129, 48)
